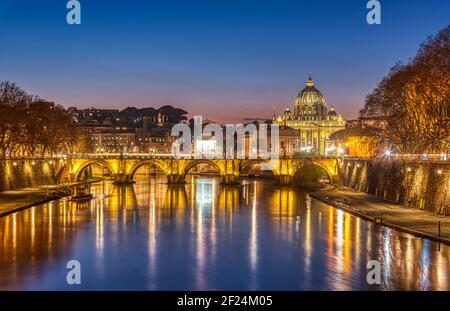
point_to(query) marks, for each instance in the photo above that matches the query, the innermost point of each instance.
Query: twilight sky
(222, 59)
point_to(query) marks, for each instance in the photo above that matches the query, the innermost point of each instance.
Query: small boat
(80, 194)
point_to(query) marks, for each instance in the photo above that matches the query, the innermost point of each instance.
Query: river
(203, 236)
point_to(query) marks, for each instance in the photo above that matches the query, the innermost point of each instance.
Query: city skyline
(154, 54)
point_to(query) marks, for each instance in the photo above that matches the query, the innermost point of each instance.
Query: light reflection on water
(205, 236)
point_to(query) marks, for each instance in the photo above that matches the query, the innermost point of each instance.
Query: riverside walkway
(411, 220)
(16, 200)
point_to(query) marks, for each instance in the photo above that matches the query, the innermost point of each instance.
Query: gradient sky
(222, 59)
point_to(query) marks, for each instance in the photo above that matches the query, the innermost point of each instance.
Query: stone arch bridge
(124, 167)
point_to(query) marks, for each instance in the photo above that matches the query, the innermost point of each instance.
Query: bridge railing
(438, 158)
(441, 158)
(172, 156)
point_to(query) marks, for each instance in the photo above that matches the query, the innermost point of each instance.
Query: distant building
(153, 139)
(114, 142)
(288, 138)
(93, 114)
(355, 142)
(206, 144)
(314, 121)
(144, 130)
(290, 141)
(361, 139)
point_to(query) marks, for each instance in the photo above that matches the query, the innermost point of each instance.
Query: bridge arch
(324, 167)
(307, 164)
(195, 163)
(63, 173)
(88, 163)
(152, 162)
(331, 167)
(248, 164)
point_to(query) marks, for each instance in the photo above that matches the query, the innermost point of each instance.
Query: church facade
(314, 121)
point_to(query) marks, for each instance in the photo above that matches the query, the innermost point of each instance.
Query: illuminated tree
(30, 126)
(415, 99)
(12, 102)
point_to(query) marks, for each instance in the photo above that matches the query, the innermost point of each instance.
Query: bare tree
(415, 99)
(30, 126)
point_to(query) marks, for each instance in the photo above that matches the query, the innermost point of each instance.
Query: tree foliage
(30, 126)
(414, 98)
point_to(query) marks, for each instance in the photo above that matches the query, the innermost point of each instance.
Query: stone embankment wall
(16, 174)
(424, 185)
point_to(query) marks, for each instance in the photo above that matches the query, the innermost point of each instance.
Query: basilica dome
(310, 100)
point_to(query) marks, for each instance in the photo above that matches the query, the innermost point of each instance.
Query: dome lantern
(310, 82)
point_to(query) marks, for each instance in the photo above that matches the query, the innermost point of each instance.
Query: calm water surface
(206, 237)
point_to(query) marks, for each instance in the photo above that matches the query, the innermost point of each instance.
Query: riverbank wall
(23, 173)
(421, 184)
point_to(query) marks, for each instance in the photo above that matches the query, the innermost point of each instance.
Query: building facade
(131, 130)
(112, 140)
(361, 138)
(314, 121)
(154, 136)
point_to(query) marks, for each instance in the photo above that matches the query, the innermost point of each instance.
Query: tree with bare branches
(30, 126)
(415, 100)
